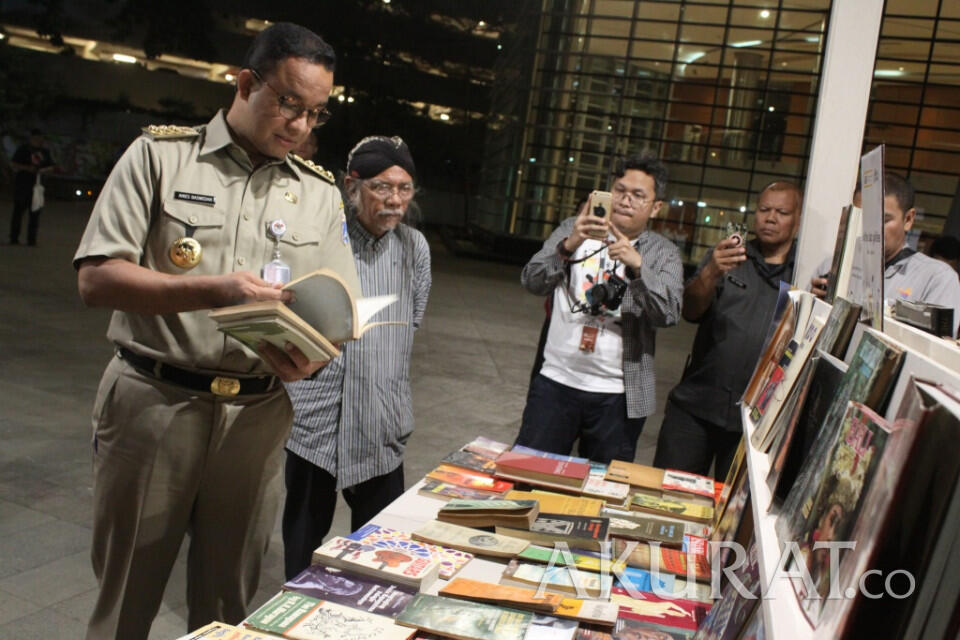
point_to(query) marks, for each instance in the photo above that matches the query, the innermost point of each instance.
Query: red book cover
(675, 613)
(469, 479)
(518, 462)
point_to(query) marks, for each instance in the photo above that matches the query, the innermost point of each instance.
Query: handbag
(36, 202)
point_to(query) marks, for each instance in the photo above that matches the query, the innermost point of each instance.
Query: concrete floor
(470, 371)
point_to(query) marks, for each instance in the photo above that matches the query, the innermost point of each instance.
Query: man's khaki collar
(218, 137)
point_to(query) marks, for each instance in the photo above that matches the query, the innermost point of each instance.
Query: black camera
(608, 293)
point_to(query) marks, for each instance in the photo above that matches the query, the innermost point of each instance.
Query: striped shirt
(354, 418)
(652, 301)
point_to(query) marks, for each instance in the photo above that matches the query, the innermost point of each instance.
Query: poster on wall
(871, 247)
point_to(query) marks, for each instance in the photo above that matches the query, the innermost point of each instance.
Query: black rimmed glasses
(291, 108)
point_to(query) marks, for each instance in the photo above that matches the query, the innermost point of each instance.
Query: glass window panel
(935, 183)
(604, 27)
(950, 10)
(728, 177)
(754, 18)
(889, 134)
(943, 117)
(896, 92)
(701, 34)
(669, 11)
(906, 28)
(898, 49)
(700, 13)
(685, 173)
(944, 73)
(801, 21)
(751, 39)
(662, 51)
(794, 62)
(613, 8)
(942, 95)
(948, 30)
(912, 7)
(607, 47)
(806, 4)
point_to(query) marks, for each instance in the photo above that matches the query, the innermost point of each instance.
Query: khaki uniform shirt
(162, 189)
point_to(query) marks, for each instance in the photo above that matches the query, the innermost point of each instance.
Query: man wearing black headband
(353, 420)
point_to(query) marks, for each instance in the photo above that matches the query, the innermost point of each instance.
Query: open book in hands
(322, 315)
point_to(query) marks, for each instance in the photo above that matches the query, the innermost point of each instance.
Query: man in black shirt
(29, 160)
(732, 296)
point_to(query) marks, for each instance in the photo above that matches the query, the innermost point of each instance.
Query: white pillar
(838, 129)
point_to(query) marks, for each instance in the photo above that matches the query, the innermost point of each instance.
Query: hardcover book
(685, 482)
(352, 590)
(324, 313)
(470, 540)
(578, 532)
(537, 470)
(465, 620)
(530, 451)
(469, 479)
(413, 566)
(294, 615)
(451, 560)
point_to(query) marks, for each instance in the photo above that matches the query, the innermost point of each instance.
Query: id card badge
(588, 338)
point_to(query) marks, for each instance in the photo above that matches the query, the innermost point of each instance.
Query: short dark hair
(648, 162)
(287, 40)
(946, 247)
(897, 186)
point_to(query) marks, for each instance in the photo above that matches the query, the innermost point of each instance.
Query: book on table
(656, 558)
(416, 568)
(350, 589)
(578, 532)
(676, 613)
(323, 314)
(558, 503)
(637, 527)
(451, 560)
(558, 579)
(489, 513)
(465, 620)
(294, 615)
(677, 508)
(539, 470)
(471, 540)
(469, 479)
(447, 491)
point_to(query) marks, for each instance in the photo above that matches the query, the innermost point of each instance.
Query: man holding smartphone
(614, 283)
(732, 296)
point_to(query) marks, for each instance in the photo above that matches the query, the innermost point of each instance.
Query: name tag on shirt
(588, 338)
(194, 197)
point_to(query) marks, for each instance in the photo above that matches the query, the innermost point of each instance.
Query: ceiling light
(350, 99)
(887, 73)
(763, 14)
(122, 57)
(746, 43)
(701, 204)
(444, 116)
(341, 98)
(743, 209)
(481, 24)
(770, 108)
(229, 77)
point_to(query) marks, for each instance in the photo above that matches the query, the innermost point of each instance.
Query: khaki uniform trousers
(169, 461)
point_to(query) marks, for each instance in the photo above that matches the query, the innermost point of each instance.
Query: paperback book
(673, 507)
(470, 540)
(543, 471)
(560, 504)
(469, 479)
(352, 590)
(415, 567)
(465, 620)
(447, 491)
(490, 513)
(294, 615)
(578, 532)
(558, 579)
(645, 556)
(451, 560)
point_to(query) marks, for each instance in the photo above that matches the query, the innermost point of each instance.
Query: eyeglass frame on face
(384, 190)
(291, 108)
(619, 191)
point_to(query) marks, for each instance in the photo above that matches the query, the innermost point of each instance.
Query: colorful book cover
(669, 612)
(577, 531)
(451, 560)
(352, 590)
(464, 505)
(558, 503)
(685, 482)
(413, 564)
(506, 595)
(729, 616)
(486, 447)
(641, 554)
(833, 504)
(447, 491)
(559, 579)
(630, 626)
(675, 508)
(529, 451)
(471, 461)
(465, 620)
(469, 479)
(223, 631)
(582, 562)
(641, 528)
(294, 615)
(642, 581)
(547, 469)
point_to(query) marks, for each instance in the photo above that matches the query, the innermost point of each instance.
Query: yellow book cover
(517, 597)
(557, 503)
(673, 507)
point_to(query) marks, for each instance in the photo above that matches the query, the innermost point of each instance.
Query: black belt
(219, 385)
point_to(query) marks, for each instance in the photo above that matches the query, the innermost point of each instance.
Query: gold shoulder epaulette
(315, 168)
(168, 131)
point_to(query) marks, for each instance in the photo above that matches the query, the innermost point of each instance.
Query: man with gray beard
(352, 420)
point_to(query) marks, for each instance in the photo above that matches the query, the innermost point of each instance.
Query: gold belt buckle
(225, 386)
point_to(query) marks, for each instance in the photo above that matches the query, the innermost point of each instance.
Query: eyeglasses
(384, 190)
(634, 197)
(291, 108)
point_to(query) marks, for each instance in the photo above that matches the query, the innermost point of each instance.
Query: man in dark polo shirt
(732, 297)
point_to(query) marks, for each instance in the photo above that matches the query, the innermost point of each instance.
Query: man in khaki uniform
(188, 424)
